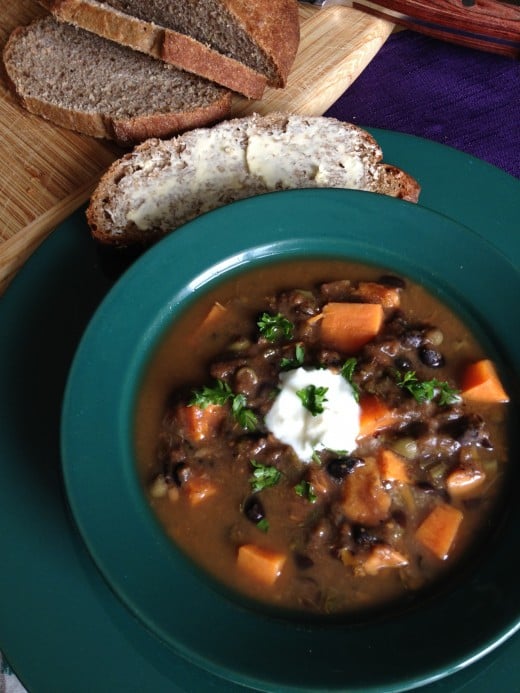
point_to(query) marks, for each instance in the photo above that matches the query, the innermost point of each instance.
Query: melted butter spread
(192, 184)
(280, 162)
(335, 429)
(222, 166)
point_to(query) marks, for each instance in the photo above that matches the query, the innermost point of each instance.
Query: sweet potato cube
(392, 467)
(198, 489)
(201, 423)
(365, 499)
(210, 324)
(438, 530)
(375, 416)
(261, 564)
(480, 383)
(347, 327)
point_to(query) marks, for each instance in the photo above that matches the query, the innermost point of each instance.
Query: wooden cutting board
(48, 172)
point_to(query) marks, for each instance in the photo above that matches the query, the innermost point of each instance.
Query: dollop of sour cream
(336, 428)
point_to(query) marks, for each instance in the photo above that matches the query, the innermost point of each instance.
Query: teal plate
(62, 628)
(150, 575)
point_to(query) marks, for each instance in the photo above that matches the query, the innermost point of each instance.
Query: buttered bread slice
(163, 184)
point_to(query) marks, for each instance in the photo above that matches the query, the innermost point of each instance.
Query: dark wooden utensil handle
(484, 24)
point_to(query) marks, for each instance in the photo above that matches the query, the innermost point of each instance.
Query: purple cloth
(454, 95)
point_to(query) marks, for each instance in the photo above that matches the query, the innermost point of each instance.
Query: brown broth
(210, 531)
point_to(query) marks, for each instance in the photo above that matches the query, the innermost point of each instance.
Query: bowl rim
(101, 392)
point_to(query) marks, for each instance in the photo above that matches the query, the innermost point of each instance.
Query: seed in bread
(94, 86)
(165, 183)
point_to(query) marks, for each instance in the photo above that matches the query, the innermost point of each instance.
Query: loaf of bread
(89, 84)
(241, 44)
(163, 184)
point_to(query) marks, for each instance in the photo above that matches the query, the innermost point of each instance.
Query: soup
(322, 436)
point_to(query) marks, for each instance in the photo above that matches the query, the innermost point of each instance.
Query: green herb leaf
(312, 398)
(274, 327)
(287, 364)
(247, 419)
(316, 457)
(427, 390)
(244, 416)
(219, 394)
(447, 395)
(263, 524)
(347, 371)
(264, 476)
(306, 490)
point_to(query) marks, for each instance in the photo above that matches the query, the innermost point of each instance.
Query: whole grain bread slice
(243, 45)
(163, 184)
(86, 83)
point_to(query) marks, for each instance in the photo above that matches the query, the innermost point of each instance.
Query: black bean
(412, 338)
(392, 280)
(180, 473)
(415, 429)
(302, 561)
(363, 537)
(253, 509)
(431, 357)
(465, 429)
(403, 364)
(340, 467)
(400, 517)
(425, 487)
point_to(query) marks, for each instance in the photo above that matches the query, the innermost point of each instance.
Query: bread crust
(131, 130)
(178, 50)
(273, 24)
(276, 28)
(173, 168)
(126, 130)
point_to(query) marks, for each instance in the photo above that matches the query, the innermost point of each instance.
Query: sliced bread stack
(94, 86)
(107, 69)
(162, 184)
(243, 45)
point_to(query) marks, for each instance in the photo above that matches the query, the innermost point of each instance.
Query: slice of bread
(163, 184)
(243, 45)
(86, 83)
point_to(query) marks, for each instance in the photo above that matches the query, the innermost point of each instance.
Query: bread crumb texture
(209, 22)
(243, 45)
(64, 73)
(165, 183)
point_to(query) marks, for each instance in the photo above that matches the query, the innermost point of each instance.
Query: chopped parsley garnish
(316, 457)
(288, 364)
(305, 490)
(220, 394)
(313, 398)
(264, 476)
(274, 327)
(427, 390)
(263, 525)
(244, 416)
(347, 371)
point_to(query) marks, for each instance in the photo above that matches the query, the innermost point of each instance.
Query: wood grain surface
(47, 172)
